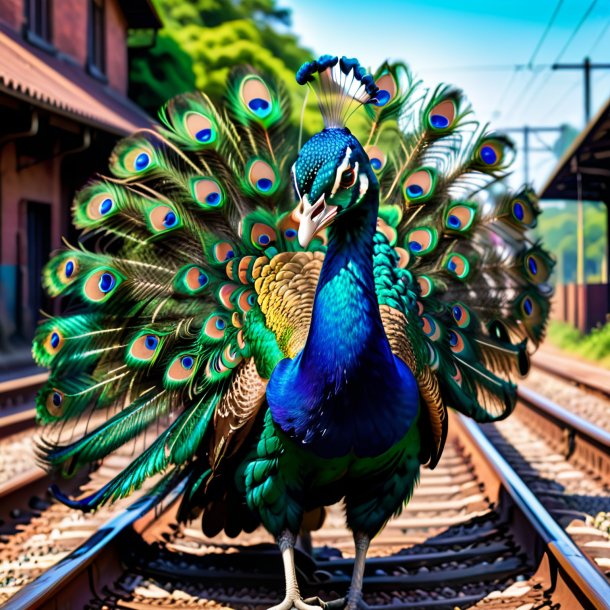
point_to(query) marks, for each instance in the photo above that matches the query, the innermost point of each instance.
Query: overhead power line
(541, 40)
(575, 31)
(535, 93)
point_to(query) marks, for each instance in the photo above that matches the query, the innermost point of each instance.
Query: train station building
(64, 68)
(583, 174)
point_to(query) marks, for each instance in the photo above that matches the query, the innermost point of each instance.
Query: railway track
(21, 480)
(580, 388)
(589, 377)
(474, 536)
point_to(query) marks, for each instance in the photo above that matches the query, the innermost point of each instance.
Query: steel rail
(566, 559)
(63, 574)
(585, 429)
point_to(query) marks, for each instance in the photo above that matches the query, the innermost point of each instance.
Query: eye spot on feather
(377, 158)
(461, 315)
(419, 186)
(144, 348)
(163, 218)
(256, 96)
(223, 251)
(199, 127)
(262, 178)
(215, 327)
(99, 206)
(488, 155)
(181, 369)
(430, 328)
(459, 217)
(54, 342)
(527, 306)
(387, 90)
(518, 211)
(68, 270)
(422, 240)
(207, 193)
(425, 285)
(55, 402)
(262, 235)
(138, 159)
(458, 265)
(456, 341)
(442, 115)
(290, 234)
(537, 268)
(100, 285)
(193, 279)
(247, 300)
(225, 294)
(490, 152)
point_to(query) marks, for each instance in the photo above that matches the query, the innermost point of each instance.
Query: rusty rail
(576, 577)
(16, 400)
(574, 436)
(74, 573)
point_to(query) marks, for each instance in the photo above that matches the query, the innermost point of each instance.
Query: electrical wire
(530, 63)
(575, 31)
(541, 40)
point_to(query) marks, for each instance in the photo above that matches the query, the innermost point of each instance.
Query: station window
(97, 38)
(38, 21)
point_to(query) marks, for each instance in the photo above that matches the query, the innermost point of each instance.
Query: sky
(484, 48)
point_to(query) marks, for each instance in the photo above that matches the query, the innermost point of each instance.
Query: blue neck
(345, 392)
(346, 322)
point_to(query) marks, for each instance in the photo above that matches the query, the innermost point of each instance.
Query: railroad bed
(472, 537)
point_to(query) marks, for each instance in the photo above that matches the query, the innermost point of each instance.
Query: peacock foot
(296, 602)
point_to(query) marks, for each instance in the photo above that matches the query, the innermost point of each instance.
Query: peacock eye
(348, 178)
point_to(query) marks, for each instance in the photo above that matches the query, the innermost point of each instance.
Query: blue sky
(475, 45)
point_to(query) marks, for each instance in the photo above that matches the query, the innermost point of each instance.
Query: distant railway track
(585, 376)
(473, 528)
(17, 402)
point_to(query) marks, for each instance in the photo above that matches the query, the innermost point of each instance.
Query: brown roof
(587, 157)
(47, 81)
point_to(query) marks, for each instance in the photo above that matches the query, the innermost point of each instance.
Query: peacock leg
(293, 598)
(354, 595)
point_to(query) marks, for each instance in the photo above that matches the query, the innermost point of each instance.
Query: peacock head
(331, 177)
(332, 173)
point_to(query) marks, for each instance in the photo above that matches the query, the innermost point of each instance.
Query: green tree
(202, 40)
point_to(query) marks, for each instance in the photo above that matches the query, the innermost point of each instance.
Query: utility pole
(527, 130)
(586, 66)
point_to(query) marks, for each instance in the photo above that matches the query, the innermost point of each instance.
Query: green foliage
(594, 346)
(557, 227)
(204, 39)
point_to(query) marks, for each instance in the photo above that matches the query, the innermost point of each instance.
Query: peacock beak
(313, 218)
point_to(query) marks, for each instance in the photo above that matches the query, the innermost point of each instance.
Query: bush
(594, 346)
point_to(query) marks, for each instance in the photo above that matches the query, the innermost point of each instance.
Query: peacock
(286, 326)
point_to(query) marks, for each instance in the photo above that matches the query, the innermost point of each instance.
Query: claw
(335, 604)
(297, 603)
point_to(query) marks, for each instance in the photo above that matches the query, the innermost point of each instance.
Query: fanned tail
(153, 331)
(479, 291)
